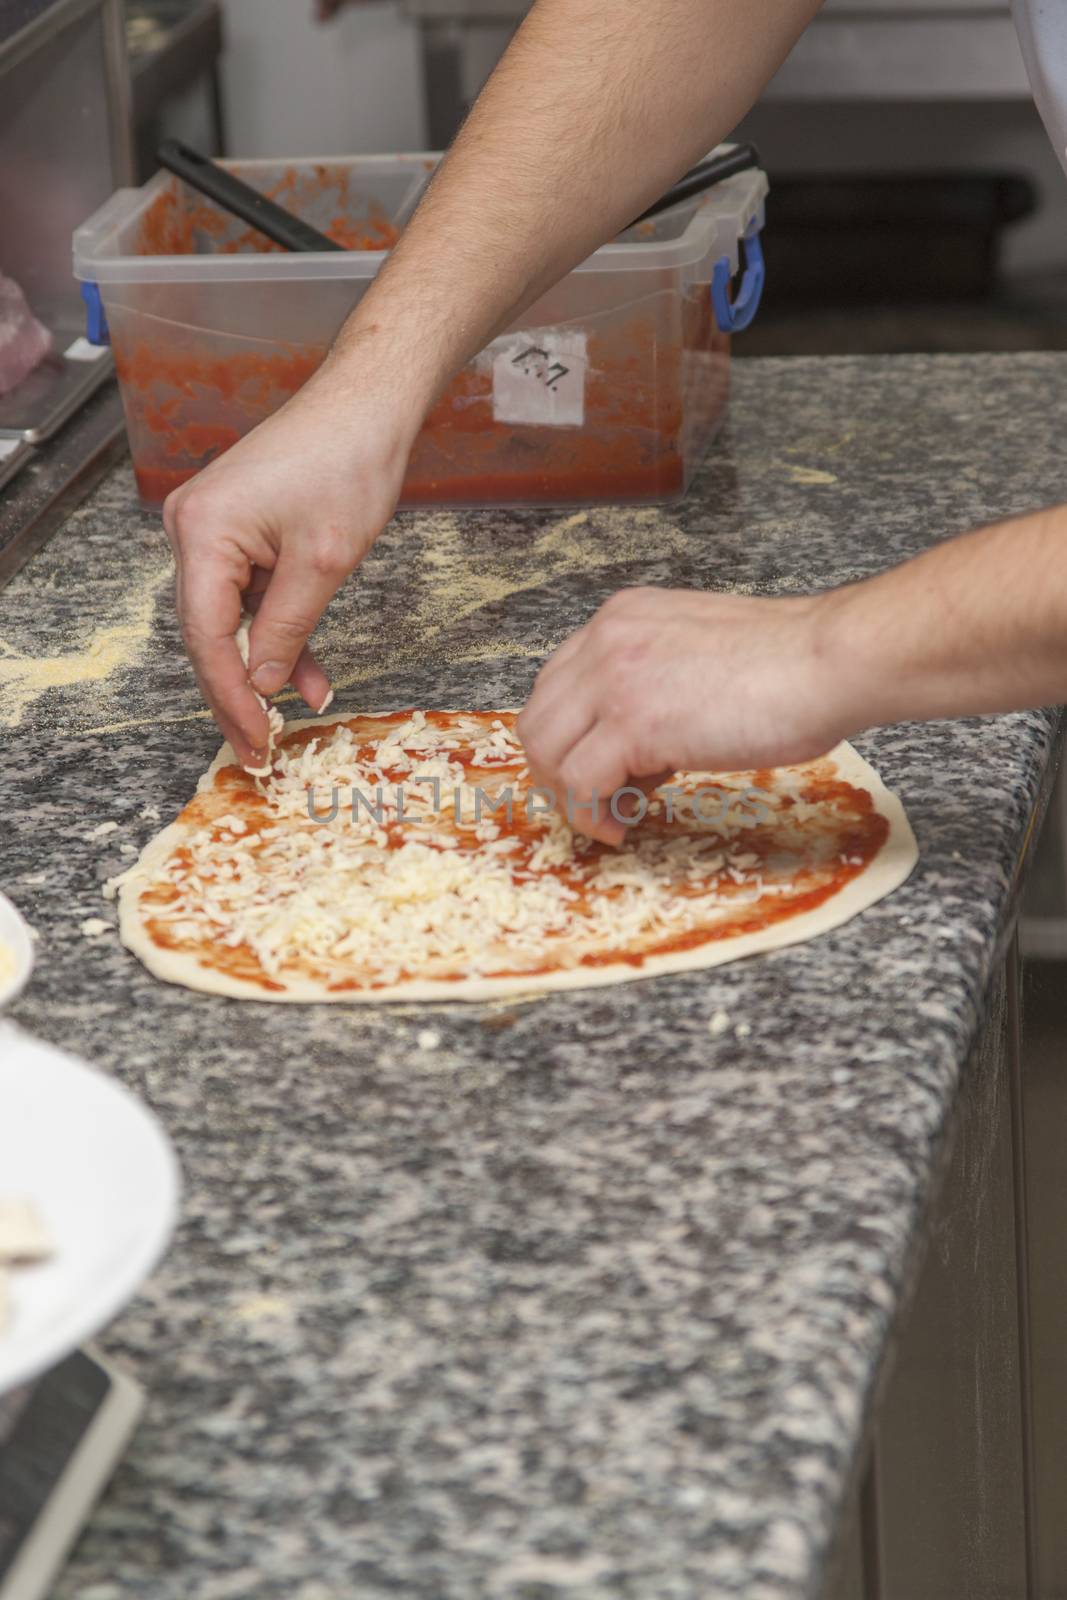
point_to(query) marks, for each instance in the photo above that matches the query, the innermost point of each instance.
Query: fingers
(229, 694)
(248, 736)
(591, 773)
(585, 728)
(214, 587)
(256, 589)
(209, 607)
(309, 680)
(550, 725)
(571, 751)
(299, 590)
(307, 677)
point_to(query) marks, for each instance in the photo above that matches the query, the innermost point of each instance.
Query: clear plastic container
(608, 389)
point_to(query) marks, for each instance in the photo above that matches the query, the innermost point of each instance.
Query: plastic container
(608, 390)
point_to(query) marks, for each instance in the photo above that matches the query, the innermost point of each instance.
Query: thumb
(300, 588)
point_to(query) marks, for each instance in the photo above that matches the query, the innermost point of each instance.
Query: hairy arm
(596, 108)
(976, 625)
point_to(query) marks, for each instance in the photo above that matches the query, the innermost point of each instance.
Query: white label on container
(8, 447)
(539, 377)
(82, 350)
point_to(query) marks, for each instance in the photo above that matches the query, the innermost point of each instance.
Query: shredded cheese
(23, 1239)
(275, 720)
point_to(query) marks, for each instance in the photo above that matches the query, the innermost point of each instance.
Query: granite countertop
(561, 1297)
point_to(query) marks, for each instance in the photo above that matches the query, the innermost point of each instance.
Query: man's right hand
(274, 526)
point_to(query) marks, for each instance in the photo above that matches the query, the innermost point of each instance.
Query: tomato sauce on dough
(798, 862)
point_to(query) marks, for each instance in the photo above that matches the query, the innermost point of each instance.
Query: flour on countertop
(108, 652)
(453, 581)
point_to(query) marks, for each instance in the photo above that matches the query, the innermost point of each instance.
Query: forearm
(596, 108)
(976, 625)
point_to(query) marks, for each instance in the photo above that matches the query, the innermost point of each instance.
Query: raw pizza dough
(246, 894)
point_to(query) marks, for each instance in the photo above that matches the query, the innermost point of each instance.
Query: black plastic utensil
(240, 198)
(715, 170)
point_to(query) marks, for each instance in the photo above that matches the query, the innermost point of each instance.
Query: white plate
(15, 935)
(100, 1171)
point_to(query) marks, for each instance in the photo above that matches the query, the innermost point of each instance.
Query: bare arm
(596, 108)
(976, 625)
(593, 112)
(663, 679)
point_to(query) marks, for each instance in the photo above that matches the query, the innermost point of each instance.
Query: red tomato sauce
(184, 408)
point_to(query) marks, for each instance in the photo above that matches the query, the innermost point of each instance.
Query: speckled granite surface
(577, 1300)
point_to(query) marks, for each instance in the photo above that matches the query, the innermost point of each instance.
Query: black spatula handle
(714, 170)
(245, 202)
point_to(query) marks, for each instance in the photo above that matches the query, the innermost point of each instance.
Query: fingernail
(327, 702)
(268, 676)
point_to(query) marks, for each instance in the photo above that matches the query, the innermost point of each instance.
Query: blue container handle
(733, 316)
(96, 328)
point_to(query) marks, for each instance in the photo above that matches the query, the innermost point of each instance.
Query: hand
(666, 679)
(274, 526)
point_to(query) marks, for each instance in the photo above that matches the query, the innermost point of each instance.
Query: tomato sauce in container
(608, 390)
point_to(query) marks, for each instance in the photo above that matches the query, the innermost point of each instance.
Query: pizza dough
(365, 867)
